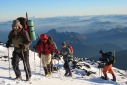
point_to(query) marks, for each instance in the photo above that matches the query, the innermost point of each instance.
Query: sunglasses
(43, 39)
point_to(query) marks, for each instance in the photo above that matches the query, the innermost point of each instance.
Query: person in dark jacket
(67, 57)
(44, 47)
(108, 65)
(21, 42)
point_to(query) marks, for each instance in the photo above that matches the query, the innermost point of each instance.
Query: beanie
(64, 44)
(16, 23)
(43, 36)
(101, 52)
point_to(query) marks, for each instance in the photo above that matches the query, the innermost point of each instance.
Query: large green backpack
(28, 25)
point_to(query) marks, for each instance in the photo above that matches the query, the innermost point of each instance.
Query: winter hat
(43, 36)
(101, 52)
(16, 23)
(64, 44)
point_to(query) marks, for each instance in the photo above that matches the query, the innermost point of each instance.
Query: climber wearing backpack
(50, 39)
(67, 57)
(21, 45)
(44, 47)
(107, 59)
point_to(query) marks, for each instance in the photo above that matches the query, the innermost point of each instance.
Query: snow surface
(58, 76)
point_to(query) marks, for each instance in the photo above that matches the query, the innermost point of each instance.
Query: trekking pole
(34, 61)
(58, 68)
(40, 64)
(9, 64)
(58, 71)
(24, 62)
(114, 56)
(99, 72)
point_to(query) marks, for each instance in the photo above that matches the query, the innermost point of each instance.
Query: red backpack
(71, 49)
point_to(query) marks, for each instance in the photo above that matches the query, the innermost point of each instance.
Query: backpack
(71, 49)
(27, 26)
(111, 57)
(50, 40)
(23, 23)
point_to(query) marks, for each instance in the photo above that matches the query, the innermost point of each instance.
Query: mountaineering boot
(46, 71)
(49, 73)
(66, 72)
(18, 78)
(49, 69)
(28, 79)
(104, 77)
(114, 77)
(70, 73)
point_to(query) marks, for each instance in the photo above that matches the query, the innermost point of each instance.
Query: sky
(57, 78)
(11, 9)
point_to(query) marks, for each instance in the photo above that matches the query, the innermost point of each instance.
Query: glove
(57, 51)
(7, 45)
(101, 59)
(21, 46)
(34, 47)
(101, 65)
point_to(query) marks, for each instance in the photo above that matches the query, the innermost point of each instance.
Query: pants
(66, 65)
(15, 63)
(51, 63)
(46, 59)
(108, 68)
(67, 68)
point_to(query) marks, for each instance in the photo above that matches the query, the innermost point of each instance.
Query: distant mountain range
(83, 44)
(115, 36)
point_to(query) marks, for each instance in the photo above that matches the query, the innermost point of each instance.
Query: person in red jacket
(44, 47)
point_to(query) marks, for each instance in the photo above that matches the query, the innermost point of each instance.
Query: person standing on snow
(21, 45)
(67, 57)
(52, 53)
(44, 47)
(108, 66)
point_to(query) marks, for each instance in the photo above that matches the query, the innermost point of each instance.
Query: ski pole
(58, 69)
(40, 63)
(9, 64)
(99, 72)
(24, 62)
(34, 61)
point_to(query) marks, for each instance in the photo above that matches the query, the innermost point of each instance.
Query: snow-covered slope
(85, 73)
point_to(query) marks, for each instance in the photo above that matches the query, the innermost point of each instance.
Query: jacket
(17, 38)
(106, 59)
(44, 48)
(66, 53)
